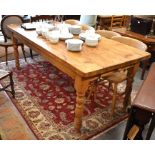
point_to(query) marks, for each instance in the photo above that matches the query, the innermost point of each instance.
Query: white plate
(66, 36)
(84, 35)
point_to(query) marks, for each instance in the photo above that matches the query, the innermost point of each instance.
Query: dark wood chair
(10, 19)
(7, 74)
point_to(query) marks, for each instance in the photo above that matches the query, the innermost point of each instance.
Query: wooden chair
(126, 20)
(121, 76)
(114, 78)
(131, 42)
(116, 21)
(85, 27)
(38, 18)
(137, 44)
(10, 19)
(72, 21)
(7, 74)
(107, 34)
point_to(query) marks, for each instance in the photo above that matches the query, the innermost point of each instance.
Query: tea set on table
(66, 32)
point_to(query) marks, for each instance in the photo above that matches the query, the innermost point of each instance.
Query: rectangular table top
(90, 61)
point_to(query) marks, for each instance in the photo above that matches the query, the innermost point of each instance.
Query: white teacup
(90, 32)
(39, 30)
(54, 36)
(91, 41)
(45, 32)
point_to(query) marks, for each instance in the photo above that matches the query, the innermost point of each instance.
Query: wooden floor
(12, 124)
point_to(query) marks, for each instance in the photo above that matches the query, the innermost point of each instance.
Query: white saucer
(84, 35)
(66, 36)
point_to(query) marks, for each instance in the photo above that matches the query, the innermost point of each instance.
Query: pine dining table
(83, 66)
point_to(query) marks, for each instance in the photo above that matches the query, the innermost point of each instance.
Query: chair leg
(31, 54)
(22, 46)
(114, 98)
(12, 85)
(92, 89)
(6, 55)
(129, 123)
(151, 127)
(145, 64)
(95, 90)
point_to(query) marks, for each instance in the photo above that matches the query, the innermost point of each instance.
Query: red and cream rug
(45, 97)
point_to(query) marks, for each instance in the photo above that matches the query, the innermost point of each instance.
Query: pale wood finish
(108, 34)
(72, 21)
(109, 55)
(85, 27)
(133, 132)
(131, 42)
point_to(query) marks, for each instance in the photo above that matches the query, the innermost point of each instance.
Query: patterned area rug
(45, 97)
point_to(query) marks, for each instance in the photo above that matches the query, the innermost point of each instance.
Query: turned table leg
(81, 88)
(16, 53)
(130, 78)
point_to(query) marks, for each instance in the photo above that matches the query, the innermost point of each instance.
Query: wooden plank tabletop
(90, 61)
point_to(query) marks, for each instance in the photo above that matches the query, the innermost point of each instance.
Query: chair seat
(4, 73)
(8, 43)
(117, 77)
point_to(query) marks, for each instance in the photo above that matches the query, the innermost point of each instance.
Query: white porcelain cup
(90, 32)
(74, 44)
(54, 36)
(45, 32)
(91, 41)
(39, 30)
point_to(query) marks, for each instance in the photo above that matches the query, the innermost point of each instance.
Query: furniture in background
(142, 109)
(7, 74)
(38, 18)
(148, 40)
(109, 21)
(85, 65)
(10, 19)
(116, 21)
(76, 17)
